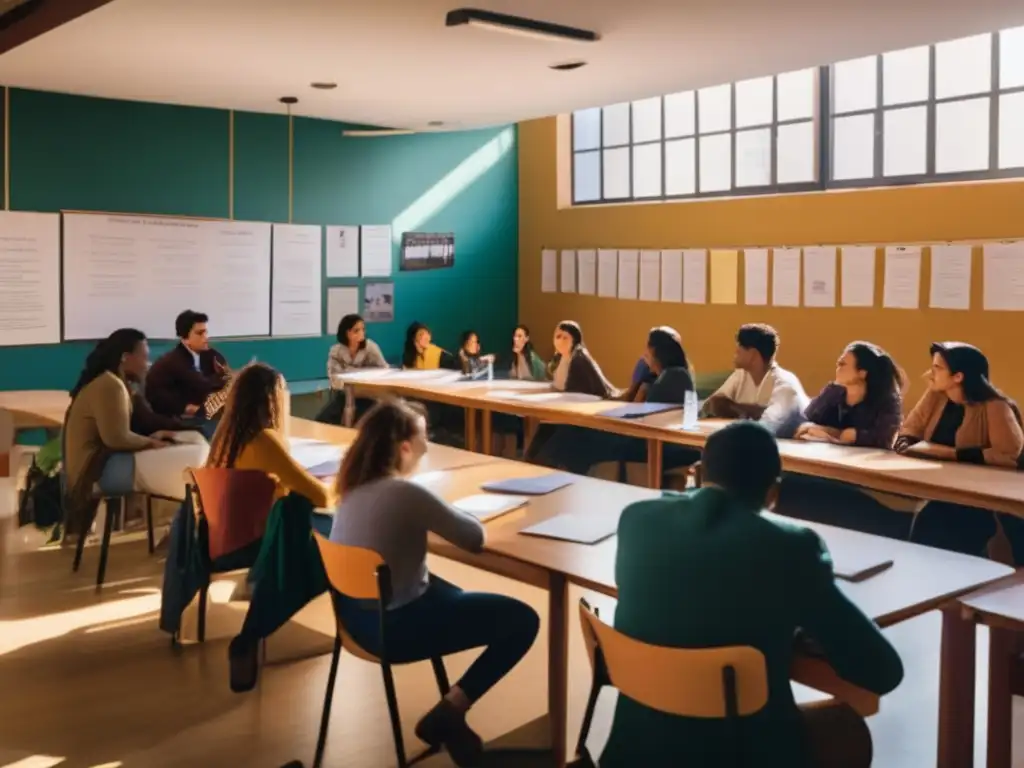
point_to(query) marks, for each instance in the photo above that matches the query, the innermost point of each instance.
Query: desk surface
(986, 487)
(36, 408)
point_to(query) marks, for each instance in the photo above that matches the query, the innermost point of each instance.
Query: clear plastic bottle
(690, 407)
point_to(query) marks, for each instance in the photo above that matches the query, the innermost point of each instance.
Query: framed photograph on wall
(422, 250)
(379, 302)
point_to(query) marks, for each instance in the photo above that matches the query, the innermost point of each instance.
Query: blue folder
(530, 486)
(639, 410)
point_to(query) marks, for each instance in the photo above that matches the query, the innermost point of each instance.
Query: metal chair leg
(201, 630)
(325, 716)
(79, 548)
(441, 675)
(150, 536)
(111, 505)
(396, 721)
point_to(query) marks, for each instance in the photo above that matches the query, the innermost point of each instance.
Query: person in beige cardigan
(99, 443)
(963, 417)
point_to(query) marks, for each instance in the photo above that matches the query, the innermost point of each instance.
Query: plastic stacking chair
(721, 683)
(231, 508)
(361, 574)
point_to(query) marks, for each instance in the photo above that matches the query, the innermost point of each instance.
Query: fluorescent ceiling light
(380, 132)
(517, 25)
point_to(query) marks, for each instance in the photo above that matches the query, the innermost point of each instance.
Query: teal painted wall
(77, 153)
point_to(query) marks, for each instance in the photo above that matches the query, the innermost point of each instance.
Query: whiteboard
(29, 278)
(142, 271)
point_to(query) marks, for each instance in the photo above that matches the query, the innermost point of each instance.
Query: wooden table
(1001, 490)
(999, 606)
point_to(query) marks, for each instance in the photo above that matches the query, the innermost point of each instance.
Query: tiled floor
(90, 679)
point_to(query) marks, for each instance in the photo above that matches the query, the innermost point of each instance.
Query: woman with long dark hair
(863, 405)
(251, 436)
(525, 363)
(964, 417)
(419, 351)
(577, 449)
(353, 351)
(99, 444)
(382, 510)
(473, 363)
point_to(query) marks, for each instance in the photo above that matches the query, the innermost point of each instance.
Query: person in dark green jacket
(707, 569)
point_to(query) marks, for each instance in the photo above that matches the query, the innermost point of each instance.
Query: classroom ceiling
(397, 64)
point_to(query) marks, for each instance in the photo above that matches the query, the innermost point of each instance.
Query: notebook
(325, 469)
(639, 410)
(487, 506)
(530, 486)
(857, 569)
(580, 529)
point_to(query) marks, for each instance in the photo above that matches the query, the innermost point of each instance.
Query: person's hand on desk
(816, 433)
(165, 436)
(928, 450)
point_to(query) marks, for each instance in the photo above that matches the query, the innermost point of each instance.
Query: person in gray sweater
(382, 510)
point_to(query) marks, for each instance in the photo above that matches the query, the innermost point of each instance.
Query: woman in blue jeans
(383, 511)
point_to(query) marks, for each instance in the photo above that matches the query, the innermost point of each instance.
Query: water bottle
(490, 369)
(690, 408)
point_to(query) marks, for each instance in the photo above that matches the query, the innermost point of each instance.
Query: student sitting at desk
(353, 352)
(421, 354)
(181, 381)
(759, 388)
(704, 569)
(383, 511)
(577, 449)
(525, 363)
(249, 436)
(572, 370)
(862, 406)
(963, 417)
(470, 359)
(99, 444)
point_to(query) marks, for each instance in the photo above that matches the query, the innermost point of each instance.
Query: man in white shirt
(759, 388)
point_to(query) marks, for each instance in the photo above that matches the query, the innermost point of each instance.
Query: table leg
(1002, 647)
(485, 433)
(654, 453)
(529, 430)
(558, 665)
(471, 429)
(956, 691)
(349, 414)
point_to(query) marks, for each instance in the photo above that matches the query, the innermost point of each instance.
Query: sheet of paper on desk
(580, 529)
(638, 410)
(550, 397)
(316, 454)
(487, 506)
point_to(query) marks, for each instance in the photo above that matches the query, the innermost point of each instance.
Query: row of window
(948, 111)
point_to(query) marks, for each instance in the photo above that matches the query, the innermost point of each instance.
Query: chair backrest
(235, 503)
(352, 571)
(690, 682)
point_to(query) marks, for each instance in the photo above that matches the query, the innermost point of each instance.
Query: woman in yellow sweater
(250, 436)
(421, 353)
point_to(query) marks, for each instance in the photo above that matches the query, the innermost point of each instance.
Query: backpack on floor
(41, 501)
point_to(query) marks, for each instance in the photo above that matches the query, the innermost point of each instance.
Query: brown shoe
(445, 726)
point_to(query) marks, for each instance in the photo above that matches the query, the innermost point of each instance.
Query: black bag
(40, 502)
(333, 411)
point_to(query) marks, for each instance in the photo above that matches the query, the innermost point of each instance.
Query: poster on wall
(379, 302)
(421, 250)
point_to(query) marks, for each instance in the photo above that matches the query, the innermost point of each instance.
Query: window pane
(716, 163)
(715, 109)
(1011, 130)
(795, 153)
(906, 140)
(855, 85)
(961, 135)
(615, 163)
(853, 147)
(586, 128)
(647, 120)
(754, 158)
(1011, 57)
(796, 94)
(754, 102)
(680, 114)
(963, 67)
(680, 167)
(586, 177)
(616, 126)
(647, 170)
(905, 76)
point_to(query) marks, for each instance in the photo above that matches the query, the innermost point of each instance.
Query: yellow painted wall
(615, 330)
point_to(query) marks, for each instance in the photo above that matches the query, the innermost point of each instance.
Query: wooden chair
(721, 683)
(231, 508)
(362, 574)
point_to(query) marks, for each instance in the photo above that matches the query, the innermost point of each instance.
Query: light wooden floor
(91, 680)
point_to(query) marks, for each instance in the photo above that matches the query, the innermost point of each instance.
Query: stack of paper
(487, 506)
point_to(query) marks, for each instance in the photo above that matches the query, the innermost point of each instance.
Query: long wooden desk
(920, 580)
(978, 486)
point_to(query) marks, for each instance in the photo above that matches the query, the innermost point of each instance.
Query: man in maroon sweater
(179, 382)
